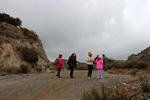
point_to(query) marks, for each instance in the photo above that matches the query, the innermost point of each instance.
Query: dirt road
(47, 86)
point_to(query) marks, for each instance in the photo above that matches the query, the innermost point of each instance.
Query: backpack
(56, 61)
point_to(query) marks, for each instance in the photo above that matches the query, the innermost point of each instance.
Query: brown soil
(47, 86)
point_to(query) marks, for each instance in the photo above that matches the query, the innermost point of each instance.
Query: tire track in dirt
(52, 92)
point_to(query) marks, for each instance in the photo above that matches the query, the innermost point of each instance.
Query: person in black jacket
(72, 62)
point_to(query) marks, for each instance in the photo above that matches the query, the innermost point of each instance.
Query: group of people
(72, 62)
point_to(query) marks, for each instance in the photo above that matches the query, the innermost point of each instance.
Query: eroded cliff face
(142, 56)
(12, 40)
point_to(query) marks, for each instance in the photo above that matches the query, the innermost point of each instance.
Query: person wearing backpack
(59, 65)
(99, 66)
(72, 62)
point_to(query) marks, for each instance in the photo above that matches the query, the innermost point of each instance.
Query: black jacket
(72, 62)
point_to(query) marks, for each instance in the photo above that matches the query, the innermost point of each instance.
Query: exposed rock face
(143, 56)
(12, 40)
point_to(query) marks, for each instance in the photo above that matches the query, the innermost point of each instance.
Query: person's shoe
(89, 78)
(59, 77)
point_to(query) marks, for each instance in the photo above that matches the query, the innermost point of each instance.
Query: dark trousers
(71, 72)
(90, 68)
(59, 70)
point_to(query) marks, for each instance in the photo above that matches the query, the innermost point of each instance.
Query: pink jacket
(59, 64)
(99, 63)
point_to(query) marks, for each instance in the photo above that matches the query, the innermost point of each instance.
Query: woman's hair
(89, 53)
(72, 55)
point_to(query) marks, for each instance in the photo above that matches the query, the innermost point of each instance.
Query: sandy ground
(47, 86)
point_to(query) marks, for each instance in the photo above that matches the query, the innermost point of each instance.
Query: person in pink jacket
(59, 65)
(99, 66)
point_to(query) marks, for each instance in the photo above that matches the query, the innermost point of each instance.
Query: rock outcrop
(142, 56)
(12, 40)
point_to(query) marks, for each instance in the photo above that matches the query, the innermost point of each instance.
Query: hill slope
(12, 42)
(142, 56)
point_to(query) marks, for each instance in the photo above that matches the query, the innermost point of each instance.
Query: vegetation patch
(28, 33)
(24, 69)
(145, 83)
(30, 55)
(6, 18)
(142, 65)
(120, 92)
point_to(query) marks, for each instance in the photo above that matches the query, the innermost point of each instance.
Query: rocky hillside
(142, 56)
(12, 42)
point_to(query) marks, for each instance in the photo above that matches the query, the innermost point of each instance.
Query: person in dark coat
(72, 62)
(105, 62)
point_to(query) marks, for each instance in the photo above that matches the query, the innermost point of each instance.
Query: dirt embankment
(47, 86)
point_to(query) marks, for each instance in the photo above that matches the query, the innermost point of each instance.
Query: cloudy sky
(116, 28)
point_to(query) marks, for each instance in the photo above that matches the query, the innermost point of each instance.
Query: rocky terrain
(144, 55)
(12, 40)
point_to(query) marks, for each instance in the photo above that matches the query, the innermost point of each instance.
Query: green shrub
(131, 64)
(7, 70)
(24, 69)
(6, 18)
(114, 65)
(122, 64)
(30, 55)
(141, 65)
(145, 86)
(28, 33)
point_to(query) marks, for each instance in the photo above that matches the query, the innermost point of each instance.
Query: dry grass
(120, 92)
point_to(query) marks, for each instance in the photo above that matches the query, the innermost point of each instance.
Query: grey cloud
(114, 27)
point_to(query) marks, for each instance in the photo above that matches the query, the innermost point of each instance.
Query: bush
(24, 69)
(145, 83)
(7, 70)
(30, 55)
(141, 65)
(6, 18)
(28, 33)
(81, 68)
(122, 64)
(118, 93)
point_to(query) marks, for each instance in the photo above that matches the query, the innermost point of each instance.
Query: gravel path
(47, 86)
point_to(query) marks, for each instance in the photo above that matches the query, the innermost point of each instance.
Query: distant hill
(144, 55)
(64, 61)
